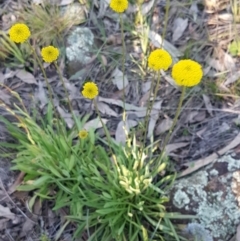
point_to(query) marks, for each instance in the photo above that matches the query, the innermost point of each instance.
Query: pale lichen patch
(212, 194)
(181, 199)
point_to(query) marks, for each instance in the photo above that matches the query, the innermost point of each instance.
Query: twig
(3, 188)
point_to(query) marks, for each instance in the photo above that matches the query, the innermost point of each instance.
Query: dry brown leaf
(3, 224)
(146, 7)
(64, 2)
(143, 101)
(5, 97)
(117, 79)
(232, 78)
(190, 117)
(179, 26)
(164, 126)
(206, 161)
(41, 95)
(158, 42)
(2, 77)
(174, 146)
(154, 117)
(95, 123)
(169, 79)
(105, 109)
(200, 116)
(66, 116)
(17, 182)
(26, 227)
(228, 61)
(122, 131)
(146, 86)
(120, 103)
(6, 213)
(26, 76)
(104, 60)
(102, 8)
(208, 104)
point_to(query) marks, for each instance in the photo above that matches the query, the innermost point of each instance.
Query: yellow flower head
(19, 33)
(49, 54)
(119, 6)
(159, 59)
(83, 134)
(187, 72)
(90, 90)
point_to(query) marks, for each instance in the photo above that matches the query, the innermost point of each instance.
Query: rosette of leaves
(120, 199)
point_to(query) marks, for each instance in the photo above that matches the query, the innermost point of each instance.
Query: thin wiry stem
(150, 106)
(123, 66)
(172, 127)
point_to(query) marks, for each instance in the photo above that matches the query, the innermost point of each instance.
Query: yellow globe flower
(83, 134)
(119, 6)
(187, 73)
(159, 59)
(19, 33)
(90, 90)
(49, 54)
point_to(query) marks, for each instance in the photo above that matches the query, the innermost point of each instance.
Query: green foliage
(234, 48)
(113, 195)
(12, 54)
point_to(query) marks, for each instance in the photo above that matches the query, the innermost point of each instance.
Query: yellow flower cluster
(159, 59)
(187, 73)
(90, 90)
(19, 33)
(119, 6)
(83, 134)
(49, 54)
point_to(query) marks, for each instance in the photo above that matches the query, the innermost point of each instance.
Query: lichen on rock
(211, 194)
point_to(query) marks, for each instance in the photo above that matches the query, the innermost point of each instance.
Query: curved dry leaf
(105, 109)
(66, 116)
(103, 7)
(5, 97)
(6, 213)
(120, 103)
(164, 126)
(158, 42)
(154, 117)
(95, 123)
(2, 77)
(146, 7)
(122, 131)
(179, 26)
(194, 166)
(208, 104)
(41, 95)
(232, 78)
(117, 79)
(174, 146)
(26, 76)
(151, 126)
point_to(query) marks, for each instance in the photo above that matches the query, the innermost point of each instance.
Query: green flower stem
(65, 89)
(172, 127)
(103, 125)
(123, 66)
(44, 73)
(150, 106)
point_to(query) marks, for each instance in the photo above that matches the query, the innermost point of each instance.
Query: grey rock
(212, 195)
